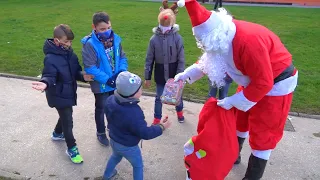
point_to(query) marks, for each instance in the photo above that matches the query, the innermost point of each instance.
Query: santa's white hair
(216, 46)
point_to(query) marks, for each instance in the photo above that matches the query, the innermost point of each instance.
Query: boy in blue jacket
(127, 125)
(59, 80)
(103, 58)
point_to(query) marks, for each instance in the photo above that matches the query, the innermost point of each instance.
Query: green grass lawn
(26, 24)
(5, 178)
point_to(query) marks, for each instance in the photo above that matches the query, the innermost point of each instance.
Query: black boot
(240, 141)
(255, 168)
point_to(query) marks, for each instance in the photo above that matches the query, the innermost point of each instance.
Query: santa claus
(255, 58)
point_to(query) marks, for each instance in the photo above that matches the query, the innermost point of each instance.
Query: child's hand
(166, 123)
(147, 83)
(87, 77)
(40, 86)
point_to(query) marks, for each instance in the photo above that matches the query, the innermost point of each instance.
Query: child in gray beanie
(127, 125)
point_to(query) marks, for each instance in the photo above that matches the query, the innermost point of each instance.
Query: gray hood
(125, 100)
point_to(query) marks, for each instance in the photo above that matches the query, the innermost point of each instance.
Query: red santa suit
(261, 65)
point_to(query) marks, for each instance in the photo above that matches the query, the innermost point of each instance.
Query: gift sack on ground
(211, 153)
(172, 92)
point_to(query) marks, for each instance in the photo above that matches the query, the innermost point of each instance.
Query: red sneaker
(156, 121)
(180, 117)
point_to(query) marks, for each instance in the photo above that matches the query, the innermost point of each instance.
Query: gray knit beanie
(128, 84)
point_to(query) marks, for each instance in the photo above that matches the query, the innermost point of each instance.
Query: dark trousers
(218, 2)
(65, 125)
(99, 111)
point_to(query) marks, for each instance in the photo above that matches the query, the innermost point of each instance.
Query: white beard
(215, 67)
(216, 46)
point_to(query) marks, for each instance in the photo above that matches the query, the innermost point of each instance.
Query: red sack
(210, 155)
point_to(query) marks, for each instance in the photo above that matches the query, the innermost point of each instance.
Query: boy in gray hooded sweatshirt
(166, 53)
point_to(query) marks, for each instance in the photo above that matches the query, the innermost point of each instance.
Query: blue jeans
(158, 104)
(223, 91)
(100, 100)
(132, 154)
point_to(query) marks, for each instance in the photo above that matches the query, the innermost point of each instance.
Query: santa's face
(213, 61)
(216, 46)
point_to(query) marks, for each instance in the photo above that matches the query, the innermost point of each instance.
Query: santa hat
(203, 21)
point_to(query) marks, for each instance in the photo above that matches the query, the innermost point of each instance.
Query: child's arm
(90, 59)
(181, 60)
(123, 60)
(149, 61)
(49, 73)
(140, 128)
(79, 76)
(146, 133)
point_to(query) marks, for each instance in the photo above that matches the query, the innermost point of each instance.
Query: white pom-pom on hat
(181, 3)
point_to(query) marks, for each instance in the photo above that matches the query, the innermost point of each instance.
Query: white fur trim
(188, 147)
(188, 150)
(198, 155)
(193, 73)
(281, 88)
(181, 3)
(206, 27)
(284, 87)
(262, 154)
(241, 102)
(242, 134)
(235, 74)
(176, 26)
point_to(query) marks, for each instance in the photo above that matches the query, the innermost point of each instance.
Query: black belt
(285, 74)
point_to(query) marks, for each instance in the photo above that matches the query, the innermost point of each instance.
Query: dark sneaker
(103, 140)
(238, 161)
(180, 117)
(57, 137)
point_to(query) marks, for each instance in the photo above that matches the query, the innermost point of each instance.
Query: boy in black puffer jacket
(59, 80)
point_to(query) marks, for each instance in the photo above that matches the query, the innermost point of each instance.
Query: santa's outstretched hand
(191, 74)
(181, 76)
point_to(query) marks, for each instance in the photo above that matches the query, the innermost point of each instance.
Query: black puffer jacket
(61, 72)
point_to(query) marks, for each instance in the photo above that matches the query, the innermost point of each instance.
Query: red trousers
(265, 121)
